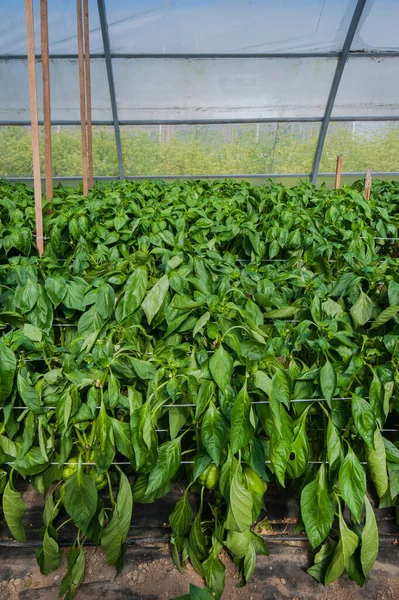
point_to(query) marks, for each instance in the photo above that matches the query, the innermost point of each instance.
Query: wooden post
(82, 95)
(367, 185)
(338, 171)
(88, 92)
(30, 36)
(46, 98)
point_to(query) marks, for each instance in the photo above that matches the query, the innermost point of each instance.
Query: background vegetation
(168, 150)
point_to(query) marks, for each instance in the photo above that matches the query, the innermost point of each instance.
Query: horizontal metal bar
(182, 462)
(221, 176)
(221, 121)
(214, 55)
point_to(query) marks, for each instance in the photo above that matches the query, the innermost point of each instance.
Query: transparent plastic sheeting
(369, 88)
(154, 89)
(64, 84)
(209, 26)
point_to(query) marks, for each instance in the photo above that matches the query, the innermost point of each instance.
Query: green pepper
(70, 468)
(253, 482)
(210, 477)
(100, 481)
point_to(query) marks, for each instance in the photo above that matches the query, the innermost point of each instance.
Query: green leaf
(335, 450)
(155, 297)
(104, 448)
(263, 382)
(345, 548)
(168, 463)
(122, 436)
(317, 508)
(105, 300)
(143, 369)
(80, 498)
(281, 313)
(385, 316)
(239, 514)
(115, 533)
(214, 574)
(352, 483)
(14, 509)
(56, 288)
(322, 560)
(393, 292)
(221, 367)
(242, 429)
(28, 392)
(75, 573)
(362, 310)
(135, 290)
(300, 450)
(369, 547)
(202, 321)
(8, 364)
(181, 517)
(49, 556)
(214, 433)
(364, 419)
(376, 460)
(328, 381)
(206, 392)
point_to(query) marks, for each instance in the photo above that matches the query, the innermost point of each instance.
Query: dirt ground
(278, 577)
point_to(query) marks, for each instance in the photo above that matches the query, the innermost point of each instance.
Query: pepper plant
(216, 334)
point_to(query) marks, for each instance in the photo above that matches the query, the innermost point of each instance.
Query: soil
(280, 576)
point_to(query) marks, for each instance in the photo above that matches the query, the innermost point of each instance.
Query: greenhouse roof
(211, 61)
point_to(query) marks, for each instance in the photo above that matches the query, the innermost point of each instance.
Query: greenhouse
(199, 299)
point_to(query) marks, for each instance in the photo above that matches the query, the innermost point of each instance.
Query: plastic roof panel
(62, 27)
(378, 28)
(369, 87)
(216, 26)
(188, 26)
(64, 81)
(218, 88)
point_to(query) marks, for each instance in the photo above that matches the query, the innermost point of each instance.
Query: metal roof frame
(108, 56)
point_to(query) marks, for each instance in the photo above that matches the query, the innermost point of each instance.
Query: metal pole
(110, 74)
(335, 85)
(30, 36)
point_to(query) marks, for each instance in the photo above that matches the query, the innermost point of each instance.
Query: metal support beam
(111, 84)
(386, 174)
(267, 55)
(157, 122)
(335, 85)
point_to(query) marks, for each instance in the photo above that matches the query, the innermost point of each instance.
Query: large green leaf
(115, 533)
(317, 508)
(214, 433)
(352, 483)
(221, 367)
(369, 547)
(8, 365)
(14, 509)
(80, 498)
(242, 429)
(155, 297)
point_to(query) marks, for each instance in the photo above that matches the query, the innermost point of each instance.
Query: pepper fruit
(70, 468)
(253, 482)
(210, 477)
(100, 481)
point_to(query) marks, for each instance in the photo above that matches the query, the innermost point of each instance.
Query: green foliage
(157, 332)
